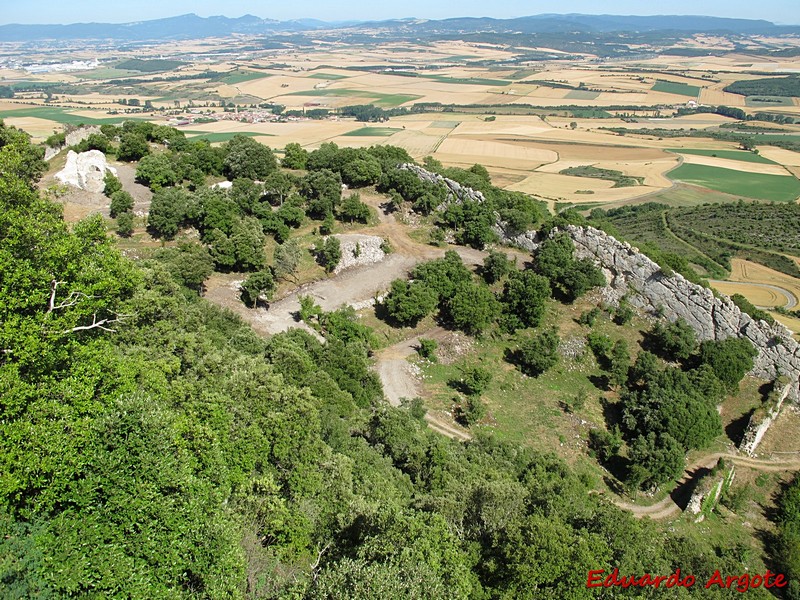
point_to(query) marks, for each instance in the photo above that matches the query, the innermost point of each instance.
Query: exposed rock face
(527, 240)
(457, 192)
(85, 171)
(359, 250)
(713, 318)
(72, 138)
(630, 273)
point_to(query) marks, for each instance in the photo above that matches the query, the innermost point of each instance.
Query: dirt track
(671, 505)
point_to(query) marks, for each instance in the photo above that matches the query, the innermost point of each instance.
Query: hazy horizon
(43, 12)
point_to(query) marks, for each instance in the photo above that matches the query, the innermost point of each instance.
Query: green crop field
(681, 89)
(60, 115)
(590, 113)
(393, 100)
(107, 73)
(741, 155)
(153, 65)
(467, 80)
(382, 100)
(241, 76)
(221, 136)
(763, 101)
(775, 137)
(749, 185)
(444, 124)
(582, 95)
(328, 76)
(372, 132)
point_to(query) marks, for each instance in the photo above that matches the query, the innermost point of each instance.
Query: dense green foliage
(709, 235)
(617, 177)
(152, 446)
(329, 253)
(674, 341)
(787, 550)
(728, 359)
(569, 276)
(769, 86)
(537, 354)
(409, 302)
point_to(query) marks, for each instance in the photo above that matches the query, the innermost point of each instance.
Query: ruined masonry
(86, 170)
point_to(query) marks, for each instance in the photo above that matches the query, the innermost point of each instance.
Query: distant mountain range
(191, 27)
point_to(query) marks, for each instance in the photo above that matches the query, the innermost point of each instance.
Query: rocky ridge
(713, 317)
(634, 276)
(73, 138)
(527, 240)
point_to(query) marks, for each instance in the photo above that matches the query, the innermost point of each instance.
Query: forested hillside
(152, 446)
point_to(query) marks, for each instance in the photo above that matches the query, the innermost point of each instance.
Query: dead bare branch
(72, 299)
(315, 566)
(101, 324)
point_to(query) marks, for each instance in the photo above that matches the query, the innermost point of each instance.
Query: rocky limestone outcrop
(85, 171)
(456, 191)
(74, 137)
(527, 240)
(633, 275)
(630, 273)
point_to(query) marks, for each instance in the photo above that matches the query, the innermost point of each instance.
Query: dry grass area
(783, 438)
(759, 296)
(750, 272)
(779, 155)
(735, 165)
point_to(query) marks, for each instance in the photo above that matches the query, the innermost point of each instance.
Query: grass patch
(590, 113)
(468, 80)
(382, 100)
(582, 95)
(680, 89)
(768, 101)
(776, 188)
(235, 77)
(106, 73)
(329, 76)
(153, 65)
(741, 155)
(219, 137)
(775, 137)
(372, 132)
(393, 100)
(444, 124)
(60, 115)
(617, 177)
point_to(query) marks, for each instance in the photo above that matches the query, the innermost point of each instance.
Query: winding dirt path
(399, 381)
(674, 503)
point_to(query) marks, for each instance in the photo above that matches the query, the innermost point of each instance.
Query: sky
(115, 11)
